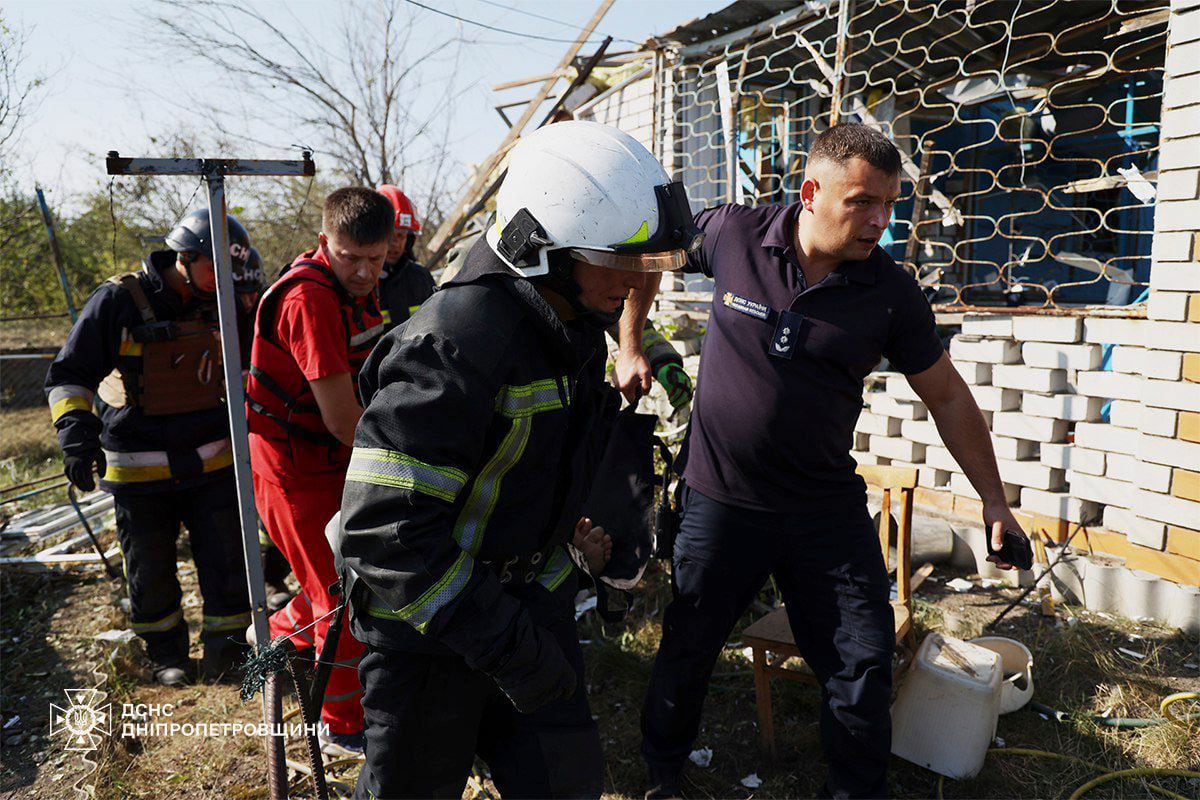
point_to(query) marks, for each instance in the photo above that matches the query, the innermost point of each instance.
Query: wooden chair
(773, 634)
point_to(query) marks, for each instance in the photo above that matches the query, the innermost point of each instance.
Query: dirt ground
(49, 621)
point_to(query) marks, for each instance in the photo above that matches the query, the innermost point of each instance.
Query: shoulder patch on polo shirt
(746, 306)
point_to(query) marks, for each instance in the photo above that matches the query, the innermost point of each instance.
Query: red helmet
(406, 215)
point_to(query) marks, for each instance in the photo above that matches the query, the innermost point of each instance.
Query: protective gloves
(676, 382)
(77, 466)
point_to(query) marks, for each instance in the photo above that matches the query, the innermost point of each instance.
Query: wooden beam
(545, 76)
(480, 179)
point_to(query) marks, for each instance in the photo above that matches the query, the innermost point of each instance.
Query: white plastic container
(1016, 661)
(945, 713)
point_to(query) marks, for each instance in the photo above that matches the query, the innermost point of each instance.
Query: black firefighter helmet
(193, 234)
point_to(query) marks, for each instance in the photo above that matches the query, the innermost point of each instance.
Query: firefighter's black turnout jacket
(470, 467)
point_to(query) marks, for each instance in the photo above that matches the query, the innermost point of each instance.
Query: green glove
(677, 384)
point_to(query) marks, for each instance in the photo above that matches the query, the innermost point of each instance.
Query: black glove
(78, 467)
(537, 673)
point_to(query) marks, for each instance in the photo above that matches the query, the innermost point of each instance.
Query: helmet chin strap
(560, 281)
(197, 293)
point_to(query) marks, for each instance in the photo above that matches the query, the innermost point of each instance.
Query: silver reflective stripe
(556, 571)
(524, 401)
(485, 491)
(159, 458)
(161, 625)
(367, 335)
(69, 390)
(335, 698)
(419, 612)
(401, 471)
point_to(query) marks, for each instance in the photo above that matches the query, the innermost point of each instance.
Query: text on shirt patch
(746, 306)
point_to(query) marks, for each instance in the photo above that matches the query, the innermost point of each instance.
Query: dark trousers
(147, 528)
(829, 568)
(428, 716)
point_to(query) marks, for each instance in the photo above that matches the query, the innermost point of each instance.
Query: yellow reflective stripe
(420, 612)
(130, 348)
(67, 405)
(117, 473)
(485, 491)
(558, 567)
(233, 622)
(161, 625)
(401, 471)
(530, 398)
(413, 309)
(641, 235)
(387, 317)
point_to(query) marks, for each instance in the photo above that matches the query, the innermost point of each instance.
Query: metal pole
(236, 400)
(48, 221)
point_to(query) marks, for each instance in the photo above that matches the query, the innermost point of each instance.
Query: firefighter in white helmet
(470, 467)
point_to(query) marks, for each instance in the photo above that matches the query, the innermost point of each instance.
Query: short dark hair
(855, 140)
(362, 214)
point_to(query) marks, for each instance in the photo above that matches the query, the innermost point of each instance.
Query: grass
(1077, 670)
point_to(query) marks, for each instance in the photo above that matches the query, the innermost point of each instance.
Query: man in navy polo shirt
(805, 305)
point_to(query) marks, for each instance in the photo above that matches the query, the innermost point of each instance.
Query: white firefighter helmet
(595, 191)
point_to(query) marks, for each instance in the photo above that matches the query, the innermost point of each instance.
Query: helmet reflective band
(588, 187)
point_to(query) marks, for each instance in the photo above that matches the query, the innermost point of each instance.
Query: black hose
(277, 784)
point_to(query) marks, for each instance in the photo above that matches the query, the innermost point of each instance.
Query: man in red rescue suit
(404, 283)
(137, 393)
(316, 325)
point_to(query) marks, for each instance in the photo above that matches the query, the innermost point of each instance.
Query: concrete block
(1029, 379)
(1112, 330)
(898, 387)
(922, 431)
(1172, 452)
(1172, 246)
(869, 459)
(994, 398)
(1060, 505)
(1177, 215)
(1174, 277)
(932, 477)
(1176, 154)
(974, 373)
(877, 424)
(1178, 184)
(1033, 474)
(1181, 123)
(1162, 364)
(940, 458)
(897, 449)
(1180, 337)
(1122, 467)
(1037, 328)
(1147, 532)
(1109, 438)
(1159, 421)
(1124, 413)
(1109, 385)
(1024, 426)
(889, 406)
(1061, 356)
(960, 485)
(1073, 407)
(1068, 456)
(1154, 477)
(992, 351)
(1118, 519)
(1168, 306)
(1185, 484)
(1014, 449)
(1099, 490)
(1126, 359)
(997, 326)
(1177, 395)
(1165, 508)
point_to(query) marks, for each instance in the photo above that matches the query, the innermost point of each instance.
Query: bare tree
(19, 93)
(348, 93)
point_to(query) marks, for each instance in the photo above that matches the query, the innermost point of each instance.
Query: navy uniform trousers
(148, 530)
(829, 569)
(428, 716)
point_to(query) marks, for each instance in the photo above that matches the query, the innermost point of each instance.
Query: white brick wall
(1158, 421)
(994, 325)
(1060, 505)
(993, 351)
(889, 406)
(974, 372)
(1174, 452)
(1024, 426)
(896, 449)
(1029, 379)
(922, 431)
(960, 485)
(1074, 407)
(877, 424)
(1036, 328)
(1109, 385)
(1112, 330)
(1164, 508)
(1179, 395)
(1068, 456)
(1100, 490)
(1033, 474)
(1147, 532)
(1061, 356)
(993, 398)
(1108, 438)
(1014, 449)
(1118, 519)
(1176, 277)
(1168, 306)
(1153, 477)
